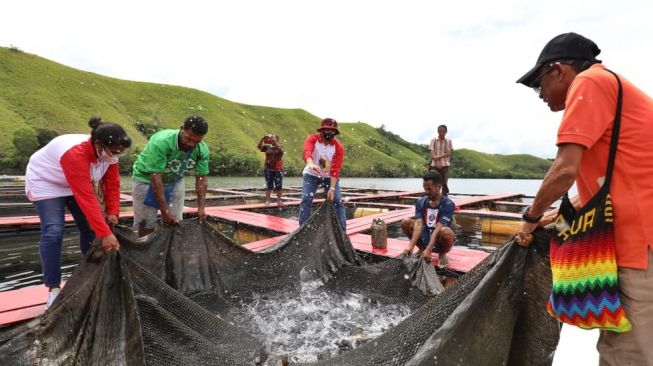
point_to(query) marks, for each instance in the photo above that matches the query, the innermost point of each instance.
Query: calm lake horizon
(527, 187)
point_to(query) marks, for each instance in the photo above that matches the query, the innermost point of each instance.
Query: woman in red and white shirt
(65, 174)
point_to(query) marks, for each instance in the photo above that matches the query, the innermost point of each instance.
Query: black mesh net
(163, 302)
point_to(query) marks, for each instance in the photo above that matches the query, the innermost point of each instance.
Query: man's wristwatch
(529, 219)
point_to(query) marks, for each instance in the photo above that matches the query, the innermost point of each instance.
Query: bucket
(379, 234)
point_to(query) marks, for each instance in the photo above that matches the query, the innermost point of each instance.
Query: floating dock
(242, 214)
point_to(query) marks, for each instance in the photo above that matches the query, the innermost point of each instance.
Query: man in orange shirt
(567, 76)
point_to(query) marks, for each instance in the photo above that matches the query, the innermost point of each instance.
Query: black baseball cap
(565, 46)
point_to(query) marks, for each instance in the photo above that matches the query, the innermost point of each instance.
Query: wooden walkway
(22, 304)
(234, 212)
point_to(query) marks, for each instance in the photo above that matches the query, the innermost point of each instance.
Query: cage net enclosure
(165, 301)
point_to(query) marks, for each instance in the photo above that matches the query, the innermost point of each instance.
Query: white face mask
(107, 158)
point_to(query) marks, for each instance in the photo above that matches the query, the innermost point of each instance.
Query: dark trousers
(444, 172)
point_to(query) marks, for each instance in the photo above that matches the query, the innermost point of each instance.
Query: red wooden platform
(363, 223)
(232, 211)
(22, 304)
(254, 219)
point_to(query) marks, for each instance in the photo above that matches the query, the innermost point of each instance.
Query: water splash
(315, 322)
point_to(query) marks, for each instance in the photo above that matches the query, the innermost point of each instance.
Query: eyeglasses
(115, 153)
(537, 87)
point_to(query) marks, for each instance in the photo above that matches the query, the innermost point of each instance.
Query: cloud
(409, 66)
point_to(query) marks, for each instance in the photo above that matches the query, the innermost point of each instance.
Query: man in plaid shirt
(441, 149)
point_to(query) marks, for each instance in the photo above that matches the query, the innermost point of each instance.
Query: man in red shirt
(269, 144)
(324, 155)
(567, 76)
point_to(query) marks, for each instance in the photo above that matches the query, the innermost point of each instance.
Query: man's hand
(426, 255)
(201, 214)
(524, 235)
(110, 243)
(168, 217)
(331, 194)
(112, 220)
(408, 251)
(311, 166)
(438, 164)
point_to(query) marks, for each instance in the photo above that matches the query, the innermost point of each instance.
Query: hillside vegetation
(40, 99)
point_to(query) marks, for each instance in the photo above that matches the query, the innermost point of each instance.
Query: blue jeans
(310, 184)
(51, 213)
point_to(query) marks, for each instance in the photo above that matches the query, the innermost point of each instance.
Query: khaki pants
(634, 347)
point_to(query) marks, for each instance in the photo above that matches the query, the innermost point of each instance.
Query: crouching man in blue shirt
(431, 229)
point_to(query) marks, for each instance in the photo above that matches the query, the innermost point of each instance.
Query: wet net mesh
(161, 302)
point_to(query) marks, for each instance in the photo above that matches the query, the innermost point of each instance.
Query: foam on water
(315, 322)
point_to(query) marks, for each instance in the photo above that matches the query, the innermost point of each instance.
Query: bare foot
(280, 203)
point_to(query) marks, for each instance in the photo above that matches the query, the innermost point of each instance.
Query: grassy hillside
(473, 164)
(40, 99)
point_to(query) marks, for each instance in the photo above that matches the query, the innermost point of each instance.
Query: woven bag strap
(615, 133)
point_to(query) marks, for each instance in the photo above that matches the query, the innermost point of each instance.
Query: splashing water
(315, 322)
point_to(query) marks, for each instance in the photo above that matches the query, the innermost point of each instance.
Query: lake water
(528, 187)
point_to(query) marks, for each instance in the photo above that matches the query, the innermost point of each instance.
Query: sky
(407, 65)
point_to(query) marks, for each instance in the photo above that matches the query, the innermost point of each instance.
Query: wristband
(530, 220)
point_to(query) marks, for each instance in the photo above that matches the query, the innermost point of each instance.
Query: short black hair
(434, 176)
(197, 124)
(443, 126)
(108, 133)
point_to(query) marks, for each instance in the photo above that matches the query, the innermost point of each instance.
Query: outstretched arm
(158, 188)
(417, 232)
(557, 181)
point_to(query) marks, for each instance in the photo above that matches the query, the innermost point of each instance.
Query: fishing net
(213, 270)
(164, 301)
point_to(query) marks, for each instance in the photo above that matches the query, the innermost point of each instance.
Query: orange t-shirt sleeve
(590, 109)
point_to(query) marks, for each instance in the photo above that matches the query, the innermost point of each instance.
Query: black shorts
(273, 180)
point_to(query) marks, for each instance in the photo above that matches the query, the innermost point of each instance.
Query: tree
(43, 136)
(25, 142)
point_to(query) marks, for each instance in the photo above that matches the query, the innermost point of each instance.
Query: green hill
(40, 99)
(473, 164)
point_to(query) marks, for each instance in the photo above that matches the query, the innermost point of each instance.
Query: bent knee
(53, 231)
(447, 233)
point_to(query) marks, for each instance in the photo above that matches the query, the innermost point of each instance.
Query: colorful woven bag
(585, 289)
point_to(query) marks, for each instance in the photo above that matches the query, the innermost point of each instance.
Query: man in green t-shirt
(157, 180)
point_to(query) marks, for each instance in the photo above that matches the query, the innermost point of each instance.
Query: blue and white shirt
(442, 214)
